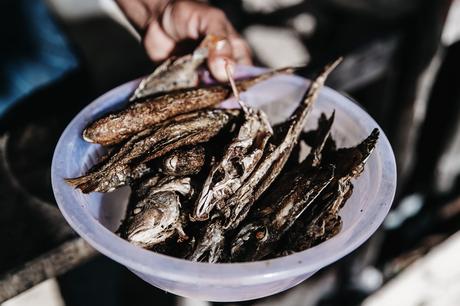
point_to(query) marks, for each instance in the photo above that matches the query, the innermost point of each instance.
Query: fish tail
(245, 84)
(368, 144)
(312, 92)
(85, 183)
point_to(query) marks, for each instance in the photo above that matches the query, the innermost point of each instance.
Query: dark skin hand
(165, 23)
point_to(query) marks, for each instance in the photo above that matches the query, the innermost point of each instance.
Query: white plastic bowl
(96, 216)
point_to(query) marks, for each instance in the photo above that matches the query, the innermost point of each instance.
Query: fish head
(154, 219)
(186, 161)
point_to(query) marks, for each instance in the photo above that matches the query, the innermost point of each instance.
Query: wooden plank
(58, 261)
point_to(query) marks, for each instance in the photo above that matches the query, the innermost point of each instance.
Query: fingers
(220, 55)
(241, 52)
(232, 50)
(229, 50)
(191, 20)
(157, 43)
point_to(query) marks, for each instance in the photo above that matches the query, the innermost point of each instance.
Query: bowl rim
(220, 274)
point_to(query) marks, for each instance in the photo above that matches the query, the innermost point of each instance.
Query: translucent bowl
(96, 216)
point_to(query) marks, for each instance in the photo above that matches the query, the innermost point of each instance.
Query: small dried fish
(184, 130)
(173, 74)
(118, 126)
(176, 73)
(184, 161)
(271, 164)
(258, 238)
(157, 215)
(239, 160)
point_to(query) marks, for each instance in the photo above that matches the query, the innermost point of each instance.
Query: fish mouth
(86, 137)
(141, 236)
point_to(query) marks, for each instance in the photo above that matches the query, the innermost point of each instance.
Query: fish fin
(367, 145)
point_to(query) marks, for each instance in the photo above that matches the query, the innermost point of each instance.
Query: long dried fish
(118, 126)
(184, 130)
(309, 229)
(284, 202)
(258, 238)
(157, 216)
(273, 160)
(226, 221)
(239, 160)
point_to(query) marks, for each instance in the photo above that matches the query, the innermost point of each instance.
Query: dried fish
(313, 159)
(310, 228)
(176, 73)
(157, 215)
(258, 238)
(237, 206)
(184, 161)
(239, 160)
(188, 129)
(216, 243)
(118, 126)
(173, 74)
(320, 222)
(256, 198)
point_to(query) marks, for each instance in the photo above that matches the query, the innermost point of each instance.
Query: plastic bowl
(96, 216)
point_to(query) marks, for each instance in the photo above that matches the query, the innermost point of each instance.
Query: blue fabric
(33, 51)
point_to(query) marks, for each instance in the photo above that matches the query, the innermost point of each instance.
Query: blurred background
(402, 64)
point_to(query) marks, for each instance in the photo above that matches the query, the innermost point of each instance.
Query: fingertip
(218, 67)
(220, 55)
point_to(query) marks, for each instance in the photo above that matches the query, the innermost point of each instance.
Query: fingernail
(218, 68)
(220, 45)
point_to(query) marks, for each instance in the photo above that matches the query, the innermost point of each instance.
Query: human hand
(165, 23)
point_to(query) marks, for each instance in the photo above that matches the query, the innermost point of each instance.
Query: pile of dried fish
(221, 185)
